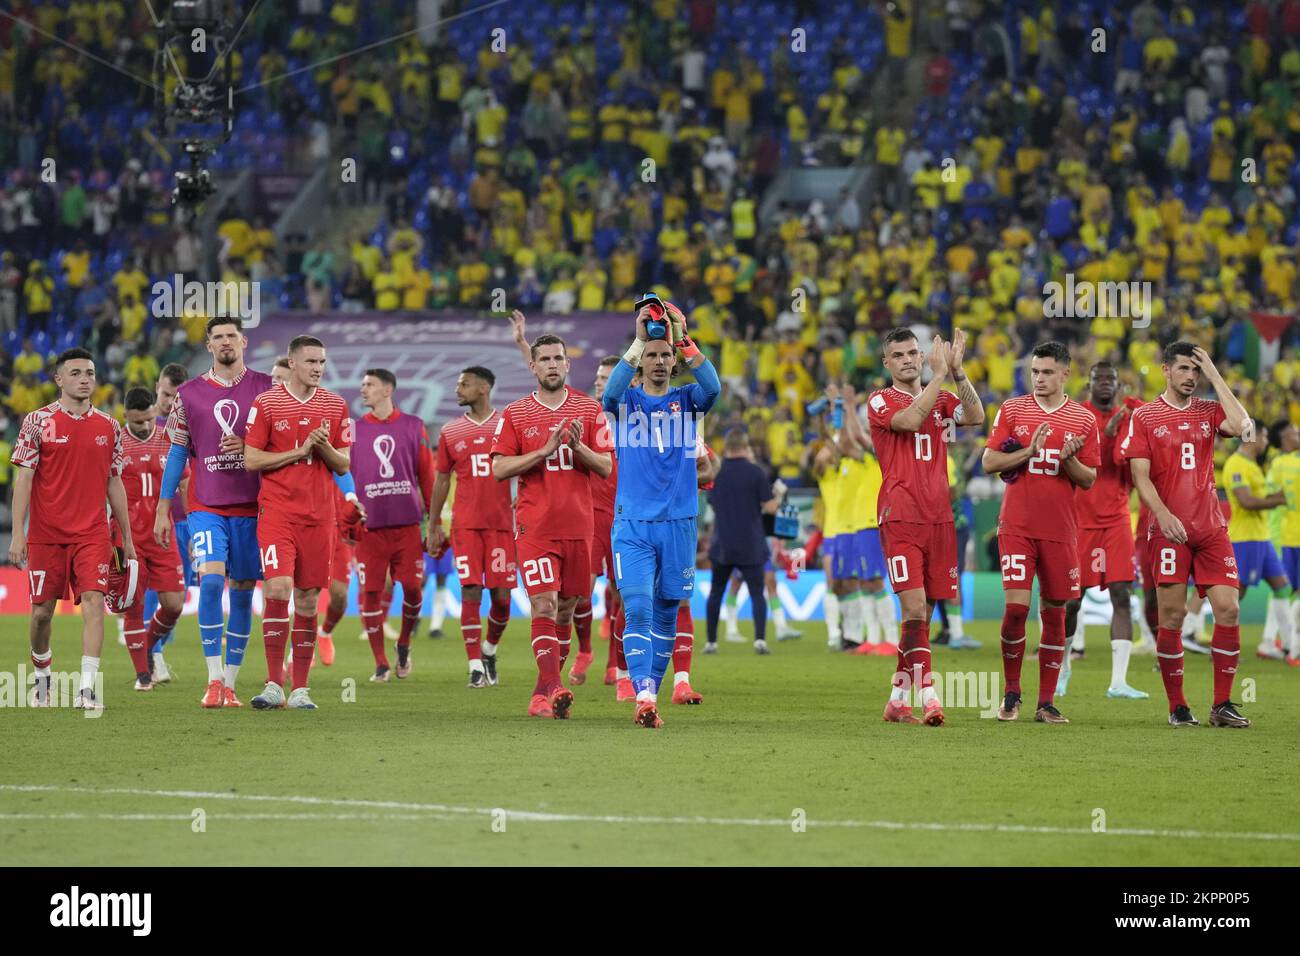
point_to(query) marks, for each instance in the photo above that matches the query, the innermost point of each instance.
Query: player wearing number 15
(1044, 445)
(909, 428)
(553, 440)
(299, 436)
(1170, 448)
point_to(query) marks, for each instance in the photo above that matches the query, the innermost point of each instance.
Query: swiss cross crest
(1074, 574)
(1230, 562)
(1022, 431)
(461, 446)
(532, 432)
(938, 417)
(674, 407)
(103, 569)
(101, 440)
(1205, 429)
(281, 424)
(1068, 436)
(1161, 432)
(1049, 431)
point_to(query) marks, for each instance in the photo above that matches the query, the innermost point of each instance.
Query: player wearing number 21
(553, 440)
(1044, 445)
(1170, 448)
(910, 427)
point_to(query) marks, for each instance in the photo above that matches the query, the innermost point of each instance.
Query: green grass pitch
(786, 762)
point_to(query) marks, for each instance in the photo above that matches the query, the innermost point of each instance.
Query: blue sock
(211, 618)
(638, 647)
(663, 634)
(239, 626)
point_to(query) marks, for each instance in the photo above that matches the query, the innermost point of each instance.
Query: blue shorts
(828, 547)
(848, 560)
(1256, 561)
(658, 554)
(183, 546)
(230, 540)
(873, 556)
(442, 567)
(1291, 565)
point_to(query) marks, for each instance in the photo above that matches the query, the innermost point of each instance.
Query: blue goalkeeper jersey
(657, 438)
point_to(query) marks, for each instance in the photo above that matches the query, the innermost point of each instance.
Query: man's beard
(546, 387)
(222, 360)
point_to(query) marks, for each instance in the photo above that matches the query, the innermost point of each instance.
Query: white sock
(871, 616)
(730, 611)
(888, 619)
(928, 694)
(1280, 613)
(1270, 623)
(620, 674)
(42, 662)
(778, 616)
(1119, 655)
(955, 628)
(1076, 642)
(1295, 627)
(681, 677)
(214, 667)
(475, 665)
(831, 607)
(898, 693)
(232, 672)
(439, 607)
(851, 617)
(645, 695)
(487, 649)
(89, 668)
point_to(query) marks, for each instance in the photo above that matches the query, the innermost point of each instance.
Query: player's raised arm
(620, 378)
(519, 325)
(857, 436)
(912, 417)
(707, 385)
(1235, 419)
(971, 411)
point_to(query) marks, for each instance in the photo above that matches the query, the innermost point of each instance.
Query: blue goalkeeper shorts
(230, 540)
(658, 553)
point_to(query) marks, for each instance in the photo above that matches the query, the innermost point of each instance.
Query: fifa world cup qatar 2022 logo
(226, 413)
(385, 446)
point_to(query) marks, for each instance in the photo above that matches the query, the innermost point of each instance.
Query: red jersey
(1105, 504)
(554, 500)
(280, 421)
(465, 447)
(913, 465)
(143, 461)
(605, 490)
(1040, 503)
(1179, 443)
(73, 456)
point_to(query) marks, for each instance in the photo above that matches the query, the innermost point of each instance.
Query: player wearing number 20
(1170, 448)
(1043, 445)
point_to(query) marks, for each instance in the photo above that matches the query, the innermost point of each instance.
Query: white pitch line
(189, 817)
(531, 816)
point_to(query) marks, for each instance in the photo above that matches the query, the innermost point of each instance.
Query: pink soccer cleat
(683, 694)
(933, 714)
(624, 690)
(900, 712)
(540, 707)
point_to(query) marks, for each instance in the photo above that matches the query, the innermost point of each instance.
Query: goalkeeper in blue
(654, 536)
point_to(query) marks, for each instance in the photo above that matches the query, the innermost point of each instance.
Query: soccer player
(1248, 532)
(482, 525)
(349, 524)
(172, 377)
(603, 492)
(1044, 445)
(69, 458)
(393, 470)
(909, 428)
(1170, 448)
(145, 447)
(1105, 532)
(298, 437)
(207, 424)
(654, 535)
(552, 440)
(826, 472)
(1284, 475)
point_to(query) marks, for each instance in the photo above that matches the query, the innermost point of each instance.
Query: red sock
(1225, 649)
(498, 618)
(412, 602)
(565, 639)
(471, 629)
(385, 605)
(1013, 644)
(332, 617)
(546, 651)
(304, 646)
(372, 615)
(163, 621)
(611, 659)
(620, 622)
(582, 625)
(136, 644)
(1051, 651)
(914, 648)
(275, 636)
(685, 643)
(1169, 652)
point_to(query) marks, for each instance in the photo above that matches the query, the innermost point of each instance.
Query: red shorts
(292, 549)
(1146, 569)
(602, 546)
(563, 566)
(921, 556)
(1207, 557)
(57, 571)
(390, 552)
(1055, 563)
(1106, 555)
(483, 557)
(160, 570)
(341, 560)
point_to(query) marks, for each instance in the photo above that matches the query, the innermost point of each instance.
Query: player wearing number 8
(1170, 448)
(553, 441)
(1044, 445)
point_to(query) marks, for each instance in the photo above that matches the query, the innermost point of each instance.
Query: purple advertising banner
(427, 351)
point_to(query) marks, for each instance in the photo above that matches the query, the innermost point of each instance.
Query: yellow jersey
(831, 488)
(1284, 475)
(853, 490)
(1240, 472)
(862, 509)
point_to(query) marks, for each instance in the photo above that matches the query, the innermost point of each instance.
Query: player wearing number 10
(1043, 445)
(1170, 448)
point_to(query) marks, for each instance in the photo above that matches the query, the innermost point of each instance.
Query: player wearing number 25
(1043, 445)
(553, 440)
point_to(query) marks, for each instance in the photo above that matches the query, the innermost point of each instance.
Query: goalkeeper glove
(681, 338)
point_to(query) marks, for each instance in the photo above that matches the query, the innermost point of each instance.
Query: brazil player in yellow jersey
(1257, 561)
(826, 471)
(1284, 476)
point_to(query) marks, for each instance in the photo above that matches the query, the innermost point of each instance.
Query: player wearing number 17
(553, 440)
(1043, 445)
(1170, 448)
(298, 437)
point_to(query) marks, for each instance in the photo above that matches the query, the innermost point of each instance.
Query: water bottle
(837, 414)
(815, 408)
